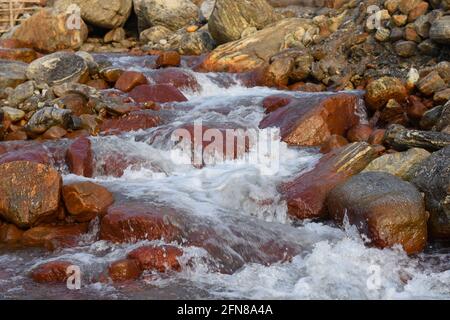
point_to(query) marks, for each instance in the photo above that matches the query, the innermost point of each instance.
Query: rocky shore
(376, 78)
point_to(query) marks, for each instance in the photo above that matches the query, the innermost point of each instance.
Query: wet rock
(54, 133)
(37, 154)
(275, 102)
(86, 200)
(180, 79)
(111, 74)
(406, 49)
(431, 83)
(440, 30)
(48, 117)
(155, 34)
(21, 93)
(12, 73)
(133, 121)
(130, 80)
(157, 93)
(399, 164)
(253, 51)
(380, 91)
(22, 54)
(157, 258)
(98, 84)
(173, 15)
(231, 17)
(387, 210)
(432, 177)
(10, 234)
(168, 59)
(401, 138)
(53, 237)
(306, 194)
(360, 133)
(334, 142)
(311, 120)
(46, 31)
(51, 272)
(13, 114)
(29, 192)
(124, 270)
(115, 35)
(131, 223)
(80, 159)
(58, 68)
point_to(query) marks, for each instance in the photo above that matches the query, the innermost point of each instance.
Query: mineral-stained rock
(159, 258)
(231, 17)
(334, 142)
(432, 177)
(123, 270)
(380, 91)
(168, 59)
(401, 138)
(157, 93)
(306, 194)
(133, 121)
(10, 234)
(129, 80)
(311, 120)
(359, 133)
(23, 54)
(53, 237)
(51, 272)
(79, 157)
(405, 49)
(387, 210)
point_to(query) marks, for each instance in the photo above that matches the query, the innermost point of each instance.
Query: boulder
(306, 194)
(157, 258)
(58, 68)
(47, 31)
(12, 73)
(255, 50)
(432, 177)
(172, 14)
(133, 121)
(130, 80)
(380, 91)
(231, 17)
(13, 114)
(190, 43)
(157, 93)
(52, 237)
(384, 208)
(29, 192)
(79, 157)
(109, 15)
(311, 120)
(51, 272)
(399, 164)
(155, 34)
(86, 200)
(179, 78)
(440, 30)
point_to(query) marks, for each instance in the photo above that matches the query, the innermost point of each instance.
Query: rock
(432, 177)
(12, 73)
(278, 72)
(398, 164)
(76, 103)
(191, 43)
(155, 34)
(334, 142)
(406, 6)
(420, 10)
(51, 272)
(58, 68)
(23, 54)
(380, 91)
(29, 192)
(47, 31)
(311, 120)
(401, 138)
(157, 93)
(179, 78)
(48, 117)
(306, 194)
(53, 237)
(80, 159)
(16, 135)
(13, 114)
(173, 14)
(431, 83)
(37, 154)
(440, 30)
(54, 133)
(133, 121)
(115, 35)
(405, 49)
(442, 96)
(10, 234)
(429, 48)
(130, 80)
(125, 223)
(382, 34)
(96, 13)
(157, 258)
(399, 19)
(168, 59)
(86, 200)
(253, 51)
(384, 208)
(231, 17)
(111, 74)
(444, 119)
(124, 270)
(21, 93)
(275, 102)
(416, 109)
(431, 117)
(359, 133)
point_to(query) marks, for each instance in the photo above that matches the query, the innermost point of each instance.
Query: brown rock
(80, 158)
(98, 84)
(77, 103)
(405, 49)
(168, 59)
(416, 109)
(157, 93)
(159, 258)
(86, 200)
(19, 135)
(431, 83)
(124, 270)
(359, 133)
(273, 103)
(52, 237)
(377, 137)
(334, 142)
(307, 87)
(176, 77)
(130, 80)
(418, 11)
(51, 272)
(10, 234)
(380, 91)
(29, 192)
(24, 55)
(405, 6)
(131, 122)
(54, 133)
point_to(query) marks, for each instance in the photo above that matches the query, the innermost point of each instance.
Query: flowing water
(239, 201)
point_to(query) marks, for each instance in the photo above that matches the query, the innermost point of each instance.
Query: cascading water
(241, 204)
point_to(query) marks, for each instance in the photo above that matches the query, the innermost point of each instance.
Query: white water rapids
(333, 263)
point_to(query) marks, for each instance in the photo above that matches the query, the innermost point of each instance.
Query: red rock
(177, 77)
(52, 237)
(159, 258)
(29, 192)
(131, 223)
(77, 103)
(131, 122)
(310, 121)
(275, 102)
(80, 158)
(86, 200)
(19, 135)
(359, 133)
(13, 44)
(306, 194)
(307, 87)
(157, 93)
(51, 272)
(24, 55)
(380, 91)
(377, 137)
(32, 153)
(130, 80)
(333, 142)
(416, 109)
(98, 84)
(54, 133)
(168, 59)
(10, 234)
(124, 270)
